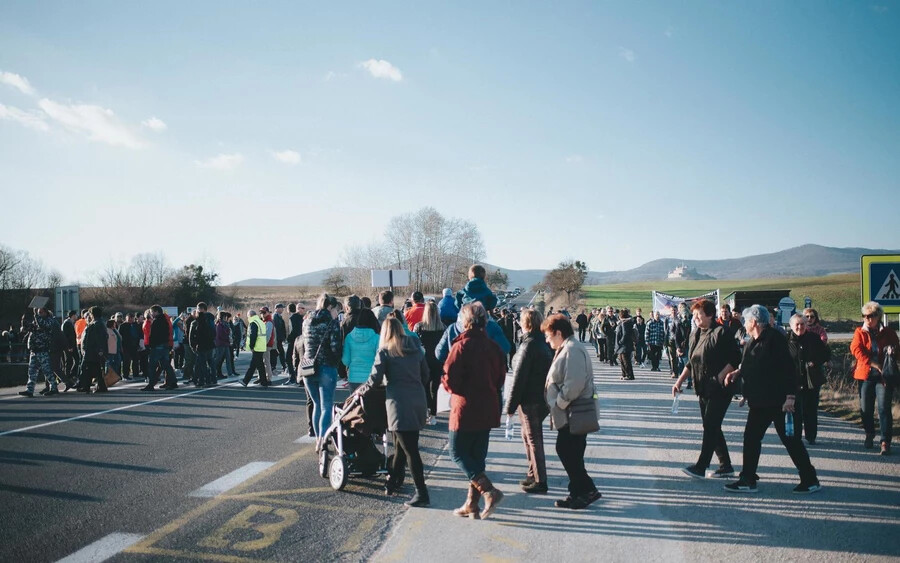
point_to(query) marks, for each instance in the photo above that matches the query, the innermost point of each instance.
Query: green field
(835, 297)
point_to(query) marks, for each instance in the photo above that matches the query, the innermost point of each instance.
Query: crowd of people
(466, 345)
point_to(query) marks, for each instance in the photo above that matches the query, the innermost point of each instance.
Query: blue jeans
(159, 358)
(320, 389)
(875, 394)
(468, 449)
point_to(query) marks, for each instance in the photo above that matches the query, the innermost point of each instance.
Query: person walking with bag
(570, 379)
(526, 396)
(402, 362)
(473, 374)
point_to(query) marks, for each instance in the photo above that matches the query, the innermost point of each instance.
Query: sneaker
(582, 502)
(343, 384)
(721, 473)
(885, 448)
(28, 394)
(526, 481)
(807, 488)
(694, 471)
(535, 488)
(741, 486)
(564, 503)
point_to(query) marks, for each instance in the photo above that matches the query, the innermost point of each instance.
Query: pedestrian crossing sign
(881, 281)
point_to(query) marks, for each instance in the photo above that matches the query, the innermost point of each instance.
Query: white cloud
(221, 162)
(627, 54)
(16, 81)
(287, 156)
(382, 69)
(574, 159)
(31, 119)
(155, 124)
(99, 124)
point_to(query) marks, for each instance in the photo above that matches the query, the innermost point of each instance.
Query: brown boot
(470, 508)
(492, 496)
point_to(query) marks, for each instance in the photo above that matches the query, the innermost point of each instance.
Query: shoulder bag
(889, 371)
(583, 414)
(307, 366)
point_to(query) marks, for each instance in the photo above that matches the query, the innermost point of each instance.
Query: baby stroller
(350, 445)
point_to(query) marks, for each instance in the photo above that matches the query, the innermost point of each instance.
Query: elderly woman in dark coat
(809, 354)
(473, 374)
(526, 396)
(401, 361)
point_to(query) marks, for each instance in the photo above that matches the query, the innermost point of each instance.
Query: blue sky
(264, 139)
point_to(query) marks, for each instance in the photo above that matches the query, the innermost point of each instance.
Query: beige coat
(571, 376)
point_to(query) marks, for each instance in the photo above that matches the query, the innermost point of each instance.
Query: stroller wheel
(323, 463)
(337, 473)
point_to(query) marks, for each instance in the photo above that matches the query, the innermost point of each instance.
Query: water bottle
(789, 424)
(509, 428)
(675, 402)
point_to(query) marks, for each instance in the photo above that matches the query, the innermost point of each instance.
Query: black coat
(768, 370)
(805, 349)
(95, 342)
(529, 374)
(202, 332)
(625, 336)
(711, 350)
(581, 320)
(68, 330)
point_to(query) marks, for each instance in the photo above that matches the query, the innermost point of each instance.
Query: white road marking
(126, 407)
(231, 480)
(103, 549)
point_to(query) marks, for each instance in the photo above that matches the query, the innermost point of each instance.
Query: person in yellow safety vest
(256, 344)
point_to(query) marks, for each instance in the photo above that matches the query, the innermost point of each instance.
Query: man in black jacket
(94, 347)
(159, 351)
(280, 335)
(609, 329)
(70, 348)
(202, 341)
(296, 317)
(770, 384)
(131, 336)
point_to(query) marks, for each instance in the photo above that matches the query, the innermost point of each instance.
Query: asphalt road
(129, 475)
(144, 482)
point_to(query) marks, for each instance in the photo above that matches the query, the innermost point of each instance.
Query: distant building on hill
(687, 273)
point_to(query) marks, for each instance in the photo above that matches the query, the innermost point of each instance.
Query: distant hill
(801, 261)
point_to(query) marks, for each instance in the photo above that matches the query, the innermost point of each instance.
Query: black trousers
(758, 422)
(582, 331)
(655, 354)
(570, 449)
(712, 412)
(806, 418)
(72, 359)
(292, 371)
(625, 364)
(90, 372)
(611, 350)
(407, 451)
(257, 365)
(279, 346)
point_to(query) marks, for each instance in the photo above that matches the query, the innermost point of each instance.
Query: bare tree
(567, 278)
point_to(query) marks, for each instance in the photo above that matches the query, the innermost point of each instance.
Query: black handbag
(889, 371)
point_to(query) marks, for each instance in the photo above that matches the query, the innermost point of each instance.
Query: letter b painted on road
(270, 531)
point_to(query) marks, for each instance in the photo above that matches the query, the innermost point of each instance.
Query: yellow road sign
(880, 277)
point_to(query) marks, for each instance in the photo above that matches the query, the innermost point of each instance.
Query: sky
(262, 139)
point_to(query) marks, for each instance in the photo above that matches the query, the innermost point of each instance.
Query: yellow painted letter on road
(271, 531)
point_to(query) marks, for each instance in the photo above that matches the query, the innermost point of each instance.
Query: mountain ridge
(799, 261)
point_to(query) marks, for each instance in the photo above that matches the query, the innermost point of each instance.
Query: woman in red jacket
(870, 344)
(473, 375)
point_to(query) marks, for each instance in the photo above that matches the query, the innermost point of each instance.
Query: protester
(238, 333)
(809, 354)
(600, 337)
(770, 384)
(70, 349)
(640, 343)
(401, 361)
(114, 342)
(386, 300)
(430, 330)
(39, 342)
(360, 348)
(476, 290)
(202, 340)
(322, 344)
(570, 377)
(813, 324)
(676, 342)
(447, 308)
(256, 345)
(94, 344)
(414, 315)
(178, 342)
(713, 355)
(222, 345)
(582, 321)
(160, 344)
(654, 335)
(295, 321)
(625, 344)
(871, 342)
(473, 375)
(609, 331)
(526, 397)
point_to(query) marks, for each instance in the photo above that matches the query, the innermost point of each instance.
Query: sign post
(390, 278)
(880, 277)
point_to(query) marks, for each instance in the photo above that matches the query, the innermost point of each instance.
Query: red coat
(414, 315)
(861, 347)
(473, 375)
